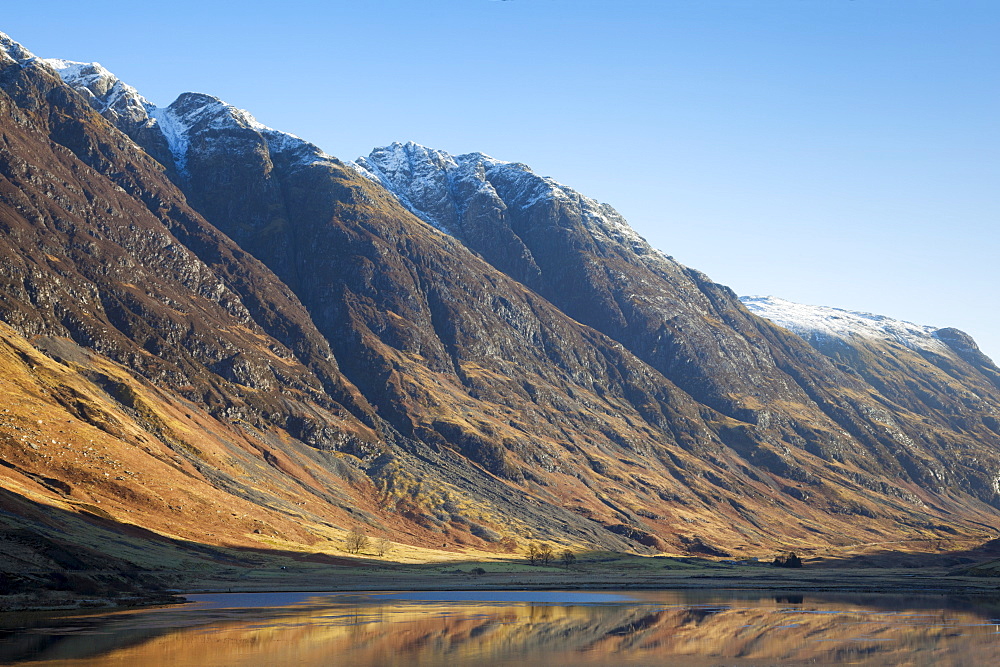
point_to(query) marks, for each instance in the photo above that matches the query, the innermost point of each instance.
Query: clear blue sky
(834, 152)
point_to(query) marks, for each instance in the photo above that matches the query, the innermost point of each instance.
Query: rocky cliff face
(445, 349)
(935, 376)
(584, 258)
(172, 386)
(101, 248)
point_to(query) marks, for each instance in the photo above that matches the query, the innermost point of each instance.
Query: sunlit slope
(330, 360)
(87, 436)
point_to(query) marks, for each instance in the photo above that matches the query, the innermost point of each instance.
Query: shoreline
(762, 578)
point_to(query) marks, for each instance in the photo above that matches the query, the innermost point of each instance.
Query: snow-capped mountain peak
(12, 52)
(442, 189)
(106, 92)
(194, 114)
(189, 114)
(820, 323)
(427, 181)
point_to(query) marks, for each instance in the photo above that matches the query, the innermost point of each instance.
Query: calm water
(516, 628)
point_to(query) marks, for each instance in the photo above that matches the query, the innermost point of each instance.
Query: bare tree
(540, 553)
(568, 558)
(356, 541)
(382, 546)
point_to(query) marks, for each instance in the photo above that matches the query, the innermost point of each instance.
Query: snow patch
(175, 131)
(820, 322)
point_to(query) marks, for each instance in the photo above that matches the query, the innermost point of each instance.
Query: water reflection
(515, 628)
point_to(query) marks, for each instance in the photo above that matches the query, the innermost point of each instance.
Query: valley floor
(613, 573)
(760, 578)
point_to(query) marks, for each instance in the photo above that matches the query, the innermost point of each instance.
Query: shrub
(508, 544)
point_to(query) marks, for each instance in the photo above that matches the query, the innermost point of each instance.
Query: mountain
(582, 256)
(939, 374)
(253, 344)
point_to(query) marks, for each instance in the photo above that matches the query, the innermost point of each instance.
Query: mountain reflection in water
(515, 628)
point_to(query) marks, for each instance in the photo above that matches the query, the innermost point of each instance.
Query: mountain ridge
(838, 322)
(539, 371)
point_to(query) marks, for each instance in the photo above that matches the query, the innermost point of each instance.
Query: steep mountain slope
(717, 365)
(525, 364)
(583, 257)
(419, 492)
(939, 374)
(173, 334)
(102, 251)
